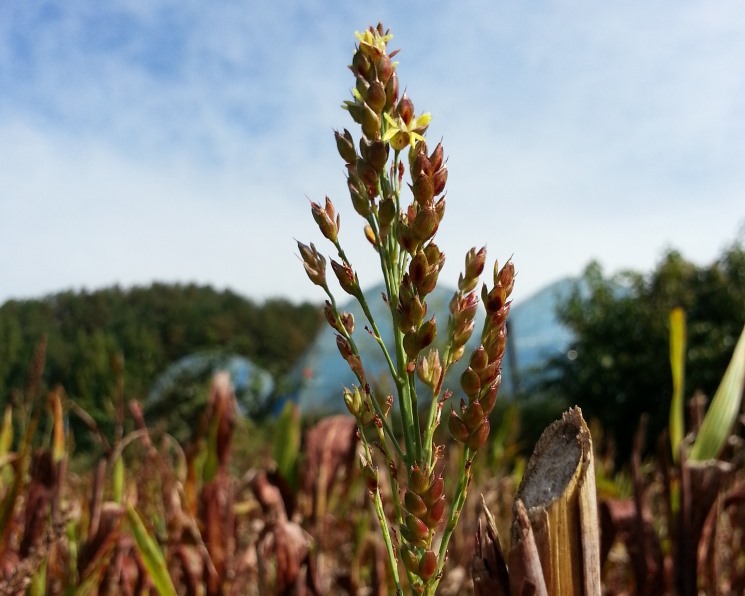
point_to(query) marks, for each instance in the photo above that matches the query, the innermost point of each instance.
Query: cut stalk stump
(555, 533)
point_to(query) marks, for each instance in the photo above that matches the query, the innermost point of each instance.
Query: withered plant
(402, 231)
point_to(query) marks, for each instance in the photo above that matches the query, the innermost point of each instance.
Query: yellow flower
(400, 134)
(372, 42)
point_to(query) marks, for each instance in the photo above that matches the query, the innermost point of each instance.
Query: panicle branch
(403, 232)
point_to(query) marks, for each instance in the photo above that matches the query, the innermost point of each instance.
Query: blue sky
(180, 142)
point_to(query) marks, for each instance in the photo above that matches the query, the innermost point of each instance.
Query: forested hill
(150, 327)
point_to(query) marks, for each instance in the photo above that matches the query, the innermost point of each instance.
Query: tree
(618, 365)
(146, 328)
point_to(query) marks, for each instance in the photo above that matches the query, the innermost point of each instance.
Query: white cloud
(179, 143)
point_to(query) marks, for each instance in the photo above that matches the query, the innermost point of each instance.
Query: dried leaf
(330, 448)
(489, 567)
(222, 408)
(38, 497)
(217, 517)
(96, 552)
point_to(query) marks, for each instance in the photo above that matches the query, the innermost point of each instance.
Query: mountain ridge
(536, 336)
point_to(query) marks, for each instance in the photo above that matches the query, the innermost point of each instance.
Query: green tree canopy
(150, 328)
(618, 366)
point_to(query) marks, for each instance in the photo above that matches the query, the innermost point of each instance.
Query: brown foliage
(286, 541)
(330, 448)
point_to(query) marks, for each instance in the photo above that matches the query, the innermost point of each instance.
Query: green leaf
(6, 442)
(151, 554)
(719, 419)
(117, 480)
(6, 433)
(286, 446)
(20, 469)
(677, 366)
(58, 432)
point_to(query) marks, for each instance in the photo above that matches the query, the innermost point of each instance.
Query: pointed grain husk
(284, 544)
(555, 519)
(330, 448)
(489, 566)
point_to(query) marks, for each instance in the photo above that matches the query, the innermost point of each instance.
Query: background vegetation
(148, 514)
(145, 329)
(618, 366)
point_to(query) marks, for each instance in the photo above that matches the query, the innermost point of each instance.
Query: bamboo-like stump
(555, 533)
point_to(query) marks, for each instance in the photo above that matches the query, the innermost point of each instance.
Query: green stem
(393, 262)
(391, 474)
(388, 542)
(459, 499)
(380, 513)
(432, 422)
(376, 406)
(376, 334)
(413, 441)
(415, 416)
(384, 249)
(368, 314)
(431, 427)
(397, 258)
(387, 430)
